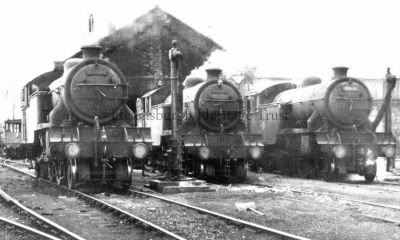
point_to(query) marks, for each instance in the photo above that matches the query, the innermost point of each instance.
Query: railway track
(106, 207)
(255, 226)
(342, 209)
(24, 230)
(124, 214)
(39, 220)
(337, 196)
(377, 185)
(390, 183)
(24, 163)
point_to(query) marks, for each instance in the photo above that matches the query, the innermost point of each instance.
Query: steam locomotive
(214, 138)
(77, 125)
(319, 128)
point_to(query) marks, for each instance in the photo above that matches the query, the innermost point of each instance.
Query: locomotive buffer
(177, 182)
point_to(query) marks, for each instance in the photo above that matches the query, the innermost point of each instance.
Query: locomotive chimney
(339, 72)
(213, 74)
(58, 65)
(91, 52)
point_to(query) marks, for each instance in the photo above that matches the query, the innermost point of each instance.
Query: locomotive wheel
(301, 167)
(72, 172)
(60, 172)
(264, 165)
(369, 178)
(37, 169)
(291, 166)
(123, 173)
(198, 169)
(329, 169)
(240, 172)
(305, 167)
(371, 174)
(41, 170)
(50, 171)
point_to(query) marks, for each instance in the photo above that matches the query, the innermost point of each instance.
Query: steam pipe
(175, 56)
(312, 120)
(386, 108)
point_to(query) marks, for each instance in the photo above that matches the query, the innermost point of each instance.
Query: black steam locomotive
(319, 128)
(77, 125)
(214, 139)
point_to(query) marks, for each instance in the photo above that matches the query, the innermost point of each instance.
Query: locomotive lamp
(369, 154)
(369, 162)
(204, 152)
(103, 135)
(140, 150)
(389, 151)
(72, 150)
(339, 151)
(255, 152)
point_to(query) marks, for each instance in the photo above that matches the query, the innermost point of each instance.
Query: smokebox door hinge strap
(96, 136)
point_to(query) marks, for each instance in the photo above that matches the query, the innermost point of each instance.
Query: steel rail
(338, 196)
(25, 230)
(384, 188)
(342, 209)
(389, 183)
(369, 185)
(40, 220)
(115, 210)
(105, 206)
(225, 217)
(292, 190)
(18, 170)
(16, 162)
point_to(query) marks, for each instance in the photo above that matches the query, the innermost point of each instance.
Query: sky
(282, 38)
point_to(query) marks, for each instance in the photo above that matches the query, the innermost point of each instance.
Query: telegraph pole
(175, 56)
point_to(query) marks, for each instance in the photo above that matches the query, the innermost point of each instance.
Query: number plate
(350, 88)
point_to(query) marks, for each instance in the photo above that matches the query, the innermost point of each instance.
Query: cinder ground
(298, 218)
(6, 212)
(279, 208)
(68, 211)
(182, 221)
(304, 219)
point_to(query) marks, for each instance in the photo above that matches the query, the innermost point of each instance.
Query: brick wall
(140, 50)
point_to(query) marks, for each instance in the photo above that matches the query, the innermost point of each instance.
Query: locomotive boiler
(214, 138)
(321, 128)
(82, 130)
